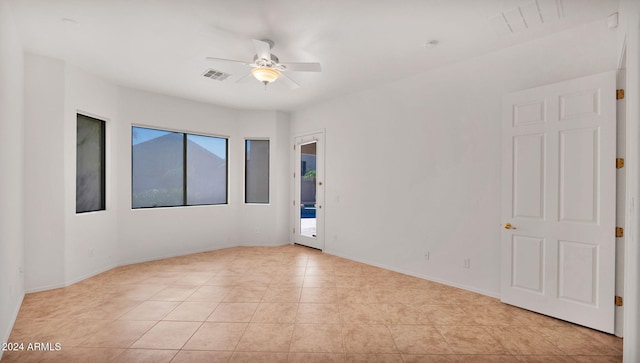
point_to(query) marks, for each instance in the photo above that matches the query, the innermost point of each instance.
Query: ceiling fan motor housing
(266, 63)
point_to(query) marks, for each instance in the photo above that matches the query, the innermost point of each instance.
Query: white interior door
(308, 199)
(558, 200)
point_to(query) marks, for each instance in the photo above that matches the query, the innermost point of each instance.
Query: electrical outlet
(20, 271)
(467, 263)
(426, 256)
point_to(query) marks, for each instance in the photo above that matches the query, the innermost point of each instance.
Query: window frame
(268, 202)
(184, 135)
(103, 163)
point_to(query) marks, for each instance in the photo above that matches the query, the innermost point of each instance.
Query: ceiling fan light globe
(265, 75)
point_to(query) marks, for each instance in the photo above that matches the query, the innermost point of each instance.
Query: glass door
(308, 191)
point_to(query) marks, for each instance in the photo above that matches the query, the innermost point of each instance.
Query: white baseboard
(90, 274)
(221, 247)
(45, 288)
(142, 260)
(217, 248)
(421, 276)
(72, 281)
(179, 254)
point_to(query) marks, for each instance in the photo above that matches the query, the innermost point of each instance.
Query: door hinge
(619, 232)
(620, 94)
(619, 163)
(618, 300)
(294, 230)
(294, 146)
(294, 202)
(294, 175)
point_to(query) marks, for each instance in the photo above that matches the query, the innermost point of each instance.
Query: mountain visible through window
(177, 169)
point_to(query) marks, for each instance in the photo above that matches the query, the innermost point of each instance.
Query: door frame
(621, 201)
(300, 139)
(629, 48)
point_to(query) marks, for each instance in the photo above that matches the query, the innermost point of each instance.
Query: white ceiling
(161, 45)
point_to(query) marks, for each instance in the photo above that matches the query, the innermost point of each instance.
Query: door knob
(509, 226)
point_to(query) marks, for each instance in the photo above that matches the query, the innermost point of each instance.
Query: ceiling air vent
(217, 75)
(528, 14)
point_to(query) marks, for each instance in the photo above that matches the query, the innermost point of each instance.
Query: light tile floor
(287, 304)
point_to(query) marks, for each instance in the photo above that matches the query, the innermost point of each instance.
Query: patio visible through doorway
(308, 190)
(308, 220)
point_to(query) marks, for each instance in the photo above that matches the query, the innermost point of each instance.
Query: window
(256, 176)
(206, 170)
(177, 169)
(90, 164)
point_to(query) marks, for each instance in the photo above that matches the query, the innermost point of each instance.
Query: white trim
(621, 202)
(631, 352)
(135, 210)
(179, 254)
(92, 115)
(182, 131)
(108, 190)
(221, 247)
(136, 261)
(309, 133)
(75, 280)
(227, 160)
(421, 276)
(319, 137)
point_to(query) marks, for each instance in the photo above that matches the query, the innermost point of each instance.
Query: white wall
(281, 178)
(11, 166)
(63, 247)
(414, 166)
(265, 224)
(90, 238)
(44, 172)
(145, 234)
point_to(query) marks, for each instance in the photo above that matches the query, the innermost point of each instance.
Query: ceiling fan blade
(290, 82)
(228, 61)
(263, 49)
(302, 67)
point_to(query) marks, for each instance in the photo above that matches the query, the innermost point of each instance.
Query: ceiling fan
(266, 66)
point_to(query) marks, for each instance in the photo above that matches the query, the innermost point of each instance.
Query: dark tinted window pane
(256, 171)
(157, 168)
(90, 168)
(206, 170)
